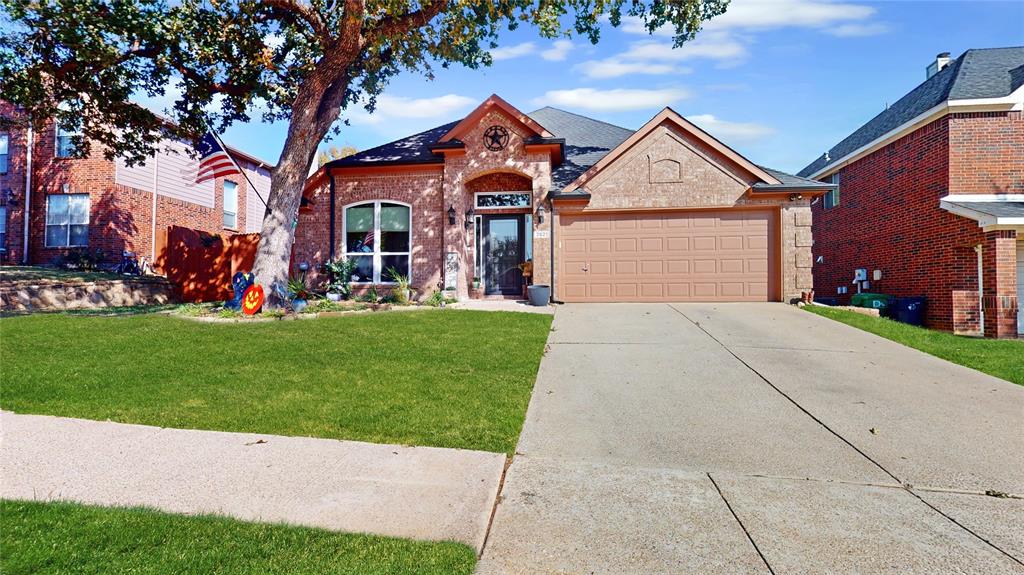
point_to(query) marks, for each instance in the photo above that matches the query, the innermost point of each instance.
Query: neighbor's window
(832, 197)
(378, 236)
(5, 141)
(230, 205)
(3, 228)
(67, 220)
(499, 200)
(65, 147)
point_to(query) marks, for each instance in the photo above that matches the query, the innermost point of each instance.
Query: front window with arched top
(378, 237)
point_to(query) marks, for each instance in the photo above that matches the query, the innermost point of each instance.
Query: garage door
(726, 255)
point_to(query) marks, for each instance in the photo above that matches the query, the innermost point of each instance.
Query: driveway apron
(734, 438)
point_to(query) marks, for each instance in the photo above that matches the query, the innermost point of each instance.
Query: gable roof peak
(494, 102)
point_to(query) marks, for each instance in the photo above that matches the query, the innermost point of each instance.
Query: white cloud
(615, 68)
(516, 51)
(611, 100)
(711, 47)
(768, 14)
(558, 51)
(731, 131)
(400, 107)
(858, 30)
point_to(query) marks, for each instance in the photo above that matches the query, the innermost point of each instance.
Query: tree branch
(306, 14)
(395, 25)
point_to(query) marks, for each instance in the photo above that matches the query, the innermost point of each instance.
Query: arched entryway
(502, 233)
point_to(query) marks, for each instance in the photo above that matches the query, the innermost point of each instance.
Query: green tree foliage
(300, 61)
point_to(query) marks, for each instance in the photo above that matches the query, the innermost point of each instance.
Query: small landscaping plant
(297, 288)
(436, 298)
(340, 276)
(402, 291)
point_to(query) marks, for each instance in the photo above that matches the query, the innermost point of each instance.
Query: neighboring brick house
(931, 197)
(105, 206)
(664, 213)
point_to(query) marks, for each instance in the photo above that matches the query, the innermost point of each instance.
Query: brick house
(930, 198)
(103, 205)
(602, 213)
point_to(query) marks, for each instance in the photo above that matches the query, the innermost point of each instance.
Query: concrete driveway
(757, 438)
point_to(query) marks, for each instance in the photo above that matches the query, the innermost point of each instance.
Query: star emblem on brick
(495, 138)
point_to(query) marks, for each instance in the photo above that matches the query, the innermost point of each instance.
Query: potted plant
(340, 274)
(402, 291)
(476, 283)
(299, 294)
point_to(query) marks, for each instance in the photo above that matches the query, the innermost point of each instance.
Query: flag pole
(244, 175)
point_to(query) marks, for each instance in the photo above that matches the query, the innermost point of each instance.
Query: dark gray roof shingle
(586, 141)
(997, 209)
(408, 150)
(977, 73)
(789, 180)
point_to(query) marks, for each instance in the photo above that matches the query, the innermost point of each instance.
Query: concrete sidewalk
(415, 492)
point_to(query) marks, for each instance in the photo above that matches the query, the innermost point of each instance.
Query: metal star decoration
(495, 138)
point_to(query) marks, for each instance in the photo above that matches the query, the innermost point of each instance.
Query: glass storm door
(503, 252)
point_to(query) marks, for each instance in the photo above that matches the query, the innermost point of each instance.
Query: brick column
(1000, 279)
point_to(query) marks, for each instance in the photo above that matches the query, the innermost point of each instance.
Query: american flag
(368, 240)
(214, 161)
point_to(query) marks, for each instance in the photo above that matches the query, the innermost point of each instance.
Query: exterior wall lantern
(451, 215)
(795, 197)
(540, 214)
(469, 218)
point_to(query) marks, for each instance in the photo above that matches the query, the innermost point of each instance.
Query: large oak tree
(301, 61)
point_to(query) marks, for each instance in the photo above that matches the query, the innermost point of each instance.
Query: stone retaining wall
(61, 295)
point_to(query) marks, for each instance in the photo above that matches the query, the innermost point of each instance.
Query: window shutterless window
(3, 228)
(5, 141)
(230, 205)
(378, 237)
(499, 200)
(831, 199)
(65, 146)
(67, 220)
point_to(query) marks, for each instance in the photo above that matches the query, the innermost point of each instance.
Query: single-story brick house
(95, 204)
(930, 197)
(663, 213)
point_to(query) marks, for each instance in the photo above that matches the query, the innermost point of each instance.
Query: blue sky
(781, 81)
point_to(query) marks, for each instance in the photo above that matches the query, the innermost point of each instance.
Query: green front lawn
(1001, 358)
(65, 538)
(445, 378)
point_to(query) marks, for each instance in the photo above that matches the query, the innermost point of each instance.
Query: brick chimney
(941, 61)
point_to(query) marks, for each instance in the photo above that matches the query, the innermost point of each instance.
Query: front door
(503, 252)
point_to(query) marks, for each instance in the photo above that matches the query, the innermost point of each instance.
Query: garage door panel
(649, 245)
(624, 244)
(730, 242)
(705, 244)
(668, 256)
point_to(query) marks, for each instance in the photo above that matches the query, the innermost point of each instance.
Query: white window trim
(6, 136)
(88, 222)
(829, 200)
(377, 254)
(224, 205)
(476, 200)
(56, 139)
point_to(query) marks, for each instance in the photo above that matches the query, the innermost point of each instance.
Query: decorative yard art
(252, 300)
(247, 295)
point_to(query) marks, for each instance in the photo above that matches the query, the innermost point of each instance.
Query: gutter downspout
(152, 232)
(551, 208)
(981, 289)
(30, 139)
(330, 180)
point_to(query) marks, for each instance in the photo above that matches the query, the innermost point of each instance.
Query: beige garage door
(726, 255)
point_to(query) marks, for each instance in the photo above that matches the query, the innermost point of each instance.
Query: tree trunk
(286, 184)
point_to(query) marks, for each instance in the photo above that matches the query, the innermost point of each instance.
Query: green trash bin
(878, 301)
